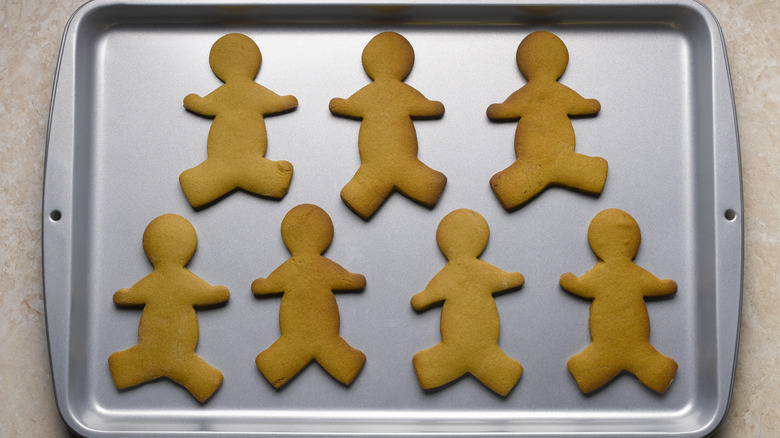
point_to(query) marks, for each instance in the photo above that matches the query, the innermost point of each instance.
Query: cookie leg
(206, 182)
(282, 361)
(653, 369)
(195, 374)
(497, 371)
(436, 366)
(421, 183)
(519, 183)
(130, 367)
(340, 359)
(592, 369)
(581, 172)
(365, 192)
(266, 178)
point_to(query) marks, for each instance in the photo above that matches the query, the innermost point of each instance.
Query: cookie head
(462, 233)
(388, 55)
(170, 240)
(307, 229)
(542, 55)
(235, 56)
(613, 234)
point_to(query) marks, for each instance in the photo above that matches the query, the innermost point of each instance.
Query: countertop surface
(31, 32)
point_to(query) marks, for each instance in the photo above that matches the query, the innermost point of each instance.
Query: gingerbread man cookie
(544, 141)
(387, 140)
(619, 322)
(168, 330)
(469, 317)
(308, 315)
(237, 139)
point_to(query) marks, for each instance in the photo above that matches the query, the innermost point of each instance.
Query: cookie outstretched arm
(580, 106)
(503, 280)
(273, 284)
(132, 296)
(273, 103)
(204, 106)
(433, 293)
(208, 295)
(656, 287)
(511, 108)
(421, 106)
(575, 285)
(350, 107)
(344, 280)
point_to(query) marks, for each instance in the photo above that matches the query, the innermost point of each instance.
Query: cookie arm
(510, 109)
(198, 291)
(273, 103)
(656, 287)
(421, 106)
(344, 280)
(349, 281)
(580, 106)
(129, 297)
(273, 284)
(345, 107)
(506, 280)
(429, 108)
(200, 105)
(432, 294)
(575, 285)
(211, 295)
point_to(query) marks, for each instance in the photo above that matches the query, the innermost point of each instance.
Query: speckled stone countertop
(30, 34)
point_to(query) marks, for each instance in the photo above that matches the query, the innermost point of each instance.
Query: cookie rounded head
(462, 233)
(307, 229)
(542, 55)
(170, 240)
(235, 56)
(388, 54)
(613, 234)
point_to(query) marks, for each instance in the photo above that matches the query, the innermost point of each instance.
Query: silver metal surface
(119, 137)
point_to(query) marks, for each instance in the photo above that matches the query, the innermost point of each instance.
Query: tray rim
(728, 337)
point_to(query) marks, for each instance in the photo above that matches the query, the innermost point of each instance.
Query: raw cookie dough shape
(619, 322)
(387, 140)
(168, 330)
(544, 140)
(469, 316)
(237, 139)
(308, 314)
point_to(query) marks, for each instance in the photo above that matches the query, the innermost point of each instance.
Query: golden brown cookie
(168, 331)
(237, 139)
(308, 315)
(387, 141)
(619, 323)
(469, 317)
(544, 141)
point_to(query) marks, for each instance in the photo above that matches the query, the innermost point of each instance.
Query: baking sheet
(119, 137)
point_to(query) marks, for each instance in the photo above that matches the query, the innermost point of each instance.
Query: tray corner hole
(55, 215)
(730, 215)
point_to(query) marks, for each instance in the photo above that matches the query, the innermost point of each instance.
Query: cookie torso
(308, 307)
(617, 307)
(469, 318)
(238, 129)
(544, 129)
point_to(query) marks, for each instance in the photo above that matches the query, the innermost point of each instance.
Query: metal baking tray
(119, 137)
